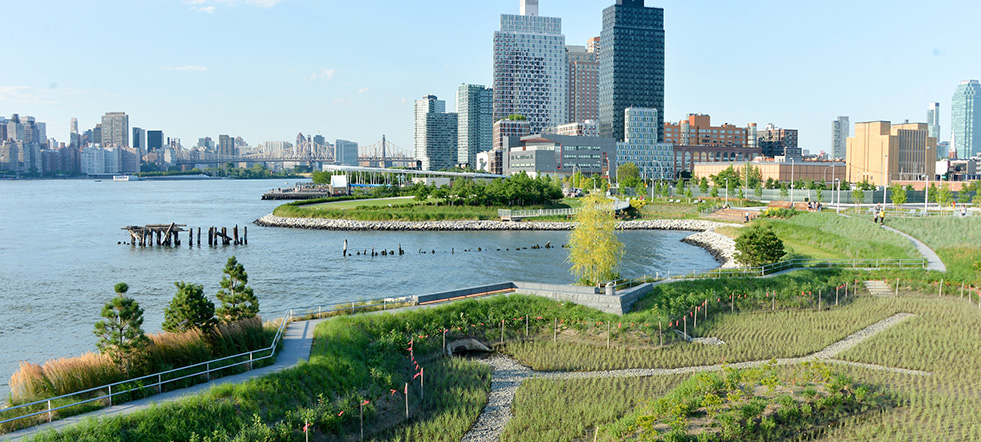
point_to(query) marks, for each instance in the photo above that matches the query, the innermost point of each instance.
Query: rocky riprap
(719, 246)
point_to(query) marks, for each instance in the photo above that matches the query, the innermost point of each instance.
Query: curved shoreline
(721, 247)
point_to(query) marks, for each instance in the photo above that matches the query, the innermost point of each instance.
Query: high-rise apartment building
(774, 142)
(583, 86)
(475, 124)
(881, 152)
(73, 126)
(115, 129)
(640, 146)
(965, 119)
(839, 136)
(530, 71)
(933, 120)
(435, 134)
(697, 130)
(226, 147)
(346, 152)
(631, 64)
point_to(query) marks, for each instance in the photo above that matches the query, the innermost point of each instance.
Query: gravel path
(507, 375)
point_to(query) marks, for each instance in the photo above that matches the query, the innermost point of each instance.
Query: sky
(269, 69)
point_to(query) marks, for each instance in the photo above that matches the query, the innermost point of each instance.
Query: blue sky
(268, 69)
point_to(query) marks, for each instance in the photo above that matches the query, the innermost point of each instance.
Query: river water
(59, 258)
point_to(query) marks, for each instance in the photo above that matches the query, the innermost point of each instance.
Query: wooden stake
(819, 300)
(607, 334)
(526, 326)
(406, 401)
(836, 294)
(941, 288)
(660, 333)
(502, 332)
(555, 328)
(245, 235)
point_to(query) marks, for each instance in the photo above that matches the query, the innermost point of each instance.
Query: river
(60, 257)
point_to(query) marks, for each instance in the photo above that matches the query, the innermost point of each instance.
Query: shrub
(758, 246)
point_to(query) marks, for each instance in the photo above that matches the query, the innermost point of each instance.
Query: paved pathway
(933, 261)
(507, 375)
(297, 341)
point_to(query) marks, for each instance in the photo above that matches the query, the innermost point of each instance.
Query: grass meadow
(956, 240)
(825, 235)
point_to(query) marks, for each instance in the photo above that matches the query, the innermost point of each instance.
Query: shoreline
(721, 247)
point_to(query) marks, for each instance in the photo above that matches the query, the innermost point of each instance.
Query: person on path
(875, 216)
(882, 217)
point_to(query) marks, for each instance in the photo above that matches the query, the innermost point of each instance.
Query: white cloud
(362, 90)
(404, 100)
(32, 95)
(325, 74)
(210, 9)
(204, 9)
(194, 2)
(186, 68)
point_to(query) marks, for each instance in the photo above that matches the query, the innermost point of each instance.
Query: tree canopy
(121, 333)
(237, 299)
(594, 250)
(189, 309)
(759, 245)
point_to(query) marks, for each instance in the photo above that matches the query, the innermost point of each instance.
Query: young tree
(784, 193)
(628, 175)
(898, 194)
(594, 250)
(703, 186)
(759, 245)
(189, 309)
(858, 196)
(963, 197)
(819, 195)
(121, 334)
(944, 195)
(758, 190)
(715, 191)
(237, 299)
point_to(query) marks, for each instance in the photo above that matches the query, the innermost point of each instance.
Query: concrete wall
(592, 297)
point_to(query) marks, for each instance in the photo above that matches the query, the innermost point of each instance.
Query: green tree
(977, 200)
(740, 195)
(898, 194)
(819, 195)
(715, 191)
(318, 177)
(189, 309)
(594, 250)
(628, 175)
(963, 197)
(759, 245)
(237, 299)
(784, 192)
(703, 186)
(858, 196)
(121, 333)
(758, 190)
(944, 195)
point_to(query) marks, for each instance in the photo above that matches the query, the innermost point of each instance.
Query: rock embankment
(719, 246)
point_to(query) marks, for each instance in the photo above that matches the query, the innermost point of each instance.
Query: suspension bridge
(382, 154)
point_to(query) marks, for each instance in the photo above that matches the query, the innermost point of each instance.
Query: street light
(791, 182)
(727, 192)
(926, 184)
(883, 163)
(838, 206)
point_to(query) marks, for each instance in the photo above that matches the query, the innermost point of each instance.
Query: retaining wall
(592, 297)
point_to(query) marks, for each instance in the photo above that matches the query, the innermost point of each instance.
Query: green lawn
(825, 235)
(956, 240)
(351, 204)
(407, 210)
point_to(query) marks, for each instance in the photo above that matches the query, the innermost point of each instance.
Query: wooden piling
(235, 233)
(245, 235)
(199, 237)
(224, 236)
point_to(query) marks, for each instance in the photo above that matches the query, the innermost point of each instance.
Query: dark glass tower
(631, 64)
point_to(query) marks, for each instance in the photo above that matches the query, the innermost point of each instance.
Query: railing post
(250, 360)
(49, 410)
(160, 384)
(110, 395)
(207, 368)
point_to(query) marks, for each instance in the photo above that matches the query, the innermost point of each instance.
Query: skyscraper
(154, 140)
(640, 146)
(435, 134)
(933, 120)
(73, 128)
(139, 139)
(583, 75)
(839, 137)
(965, 119)
(226, 147)
(474, 108)
(530, 72)
(631, 64)
(115, 129)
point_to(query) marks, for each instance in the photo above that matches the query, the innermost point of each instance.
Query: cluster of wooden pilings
(170, 235)
(218, 236)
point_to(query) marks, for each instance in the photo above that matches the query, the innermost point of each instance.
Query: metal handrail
(288, 316)
(786, 265)
(616, 206)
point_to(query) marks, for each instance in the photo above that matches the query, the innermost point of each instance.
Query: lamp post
(791, 182)
(838, 206)
(883, 163)
(727, 192)
(926, 183)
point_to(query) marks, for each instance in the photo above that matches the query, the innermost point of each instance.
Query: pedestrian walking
(882, 217)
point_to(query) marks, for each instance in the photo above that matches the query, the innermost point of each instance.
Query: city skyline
(365, 88)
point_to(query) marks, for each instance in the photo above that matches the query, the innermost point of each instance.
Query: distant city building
(776, 142)
(139, 139)
(782, 171)
(840, 129)
(226, 147)
(933, 120)
(583, 81)
(73, 126)
(507, 128)
(697, 130)
(586, 128)
(435, 134)
(475, 124)
(944, 148)
(206, 143)
(97, 160)
(154, 140)
(530, 71)
(965, 119)
(640, 146)
(882, 152)
(115, 129)
(631, 64)
(560, 155)
(346, 152)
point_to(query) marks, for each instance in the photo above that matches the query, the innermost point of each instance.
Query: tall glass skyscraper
(839, 137)
(631, 64)
(965, 119)
(475, 126)
(530, 72)
(933, 120)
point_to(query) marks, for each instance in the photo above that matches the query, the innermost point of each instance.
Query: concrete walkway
(297, 342)
(933, 261)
